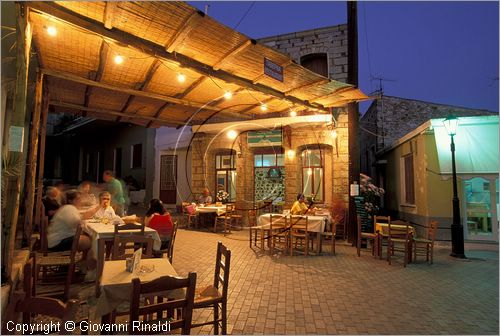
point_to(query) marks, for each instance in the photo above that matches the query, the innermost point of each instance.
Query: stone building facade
(390, 118)
(330, 45)
(331, 41)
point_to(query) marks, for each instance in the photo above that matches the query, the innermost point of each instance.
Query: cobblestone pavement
(345, 294)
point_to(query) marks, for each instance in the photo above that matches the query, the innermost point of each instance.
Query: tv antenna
(381, 79)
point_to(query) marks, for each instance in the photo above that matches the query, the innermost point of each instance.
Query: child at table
(105, 212)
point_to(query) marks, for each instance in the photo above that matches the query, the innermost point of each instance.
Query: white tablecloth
(314, 223)
(97, 230)
(206, 209)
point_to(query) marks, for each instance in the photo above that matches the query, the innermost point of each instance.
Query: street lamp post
(457, 229)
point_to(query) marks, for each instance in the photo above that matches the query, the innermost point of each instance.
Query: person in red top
(161, 221)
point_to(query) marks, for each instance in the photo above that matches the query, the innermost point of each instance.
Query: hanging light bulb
(51, 30)
(293, 113)
(231, 134)
(333, 134)
(290, 153)
(309, 172)
(118, 59)
(263, 107)
(228, 95)
(181, 77)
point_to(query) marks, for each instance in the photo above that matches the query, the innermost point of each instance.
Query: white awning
(476, 145)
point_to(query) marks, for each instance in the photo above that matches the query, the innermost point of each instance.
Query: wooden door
(168, 179)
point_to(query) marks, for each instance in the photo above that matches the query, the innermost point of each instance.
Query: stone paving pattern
(344, 294)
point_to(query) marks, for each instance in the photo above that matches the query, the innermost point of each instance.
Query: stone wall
(336, 169)
(329, 40)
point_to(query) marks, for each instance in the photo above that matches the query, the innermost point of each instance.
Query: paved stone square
(345, 294)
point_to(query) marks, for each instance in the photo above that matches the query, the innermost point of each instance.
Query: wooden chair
(172, 242)
(279, 229)
(381, 236)
(425, 246)
(299, 233)
(332, 234)
(368, 236)
(191, 217)
(158, 310)
(135, 228)
(398, 241)
(46, 262)
(124, 245)
(43, 310)
(236, 216)
(215, 296)
(225, 219)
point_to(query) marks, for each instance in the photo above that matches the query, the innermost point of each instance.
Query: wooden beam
(183, 31)
(149, 75)
(262, 75)
(306, 86)
(103, 59)
(155, 50)
(333, 93)
(109, 13)
(41, 153)
(233, 53)
(23, 43)
(30, 176)
(114, 113)
(85, 81)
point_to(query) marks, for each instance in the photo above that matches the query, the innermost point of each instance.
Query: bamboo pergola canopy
(158, 41)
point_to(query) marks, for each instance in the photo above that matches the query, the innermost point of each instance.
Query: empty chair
(172, 242)
(398, 241)
(382, 234)
(224, 219)
(157, 310)
(424, 246)
(215, 296)
(332, 234)
(299, 234)
(189, 211)
(236, 217)
(370, 237)
(130, 228)
(35, 311)
(125, 246)
(279, 230)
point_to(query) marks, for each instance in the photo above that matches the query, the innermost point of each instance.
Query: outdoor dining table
(116, 284)
(100, 233)
(208, 213)
(382, 230)
(314, 224)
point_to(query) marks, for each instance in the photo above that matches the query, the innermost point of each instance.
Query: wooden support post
(41, 155)
(29, 181)
(24, 35)
(353, 113)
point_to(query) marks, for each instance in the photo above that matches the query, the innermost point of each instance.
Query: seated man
(62, 228)
(205, 197)
(299, 207)
(105, 211)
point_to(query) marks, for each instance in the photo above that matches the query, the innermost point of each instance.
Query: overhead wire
(244, 15)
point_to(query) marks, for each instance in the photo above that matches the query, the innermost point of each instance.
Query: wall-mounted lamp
(231, 134)
(290, 153)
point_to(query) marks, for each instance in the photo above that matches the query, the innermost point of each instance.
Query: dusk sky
(441, 52)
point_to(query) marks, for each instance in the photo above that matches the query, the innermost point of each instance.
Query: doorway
(168, 179)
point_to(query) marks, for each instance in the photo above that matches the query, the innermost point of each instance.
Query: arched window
(317, 63)
(225, 173)
(313, 184)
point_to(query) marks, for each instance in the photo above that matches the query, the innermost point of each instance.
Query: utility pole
(352, 112)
